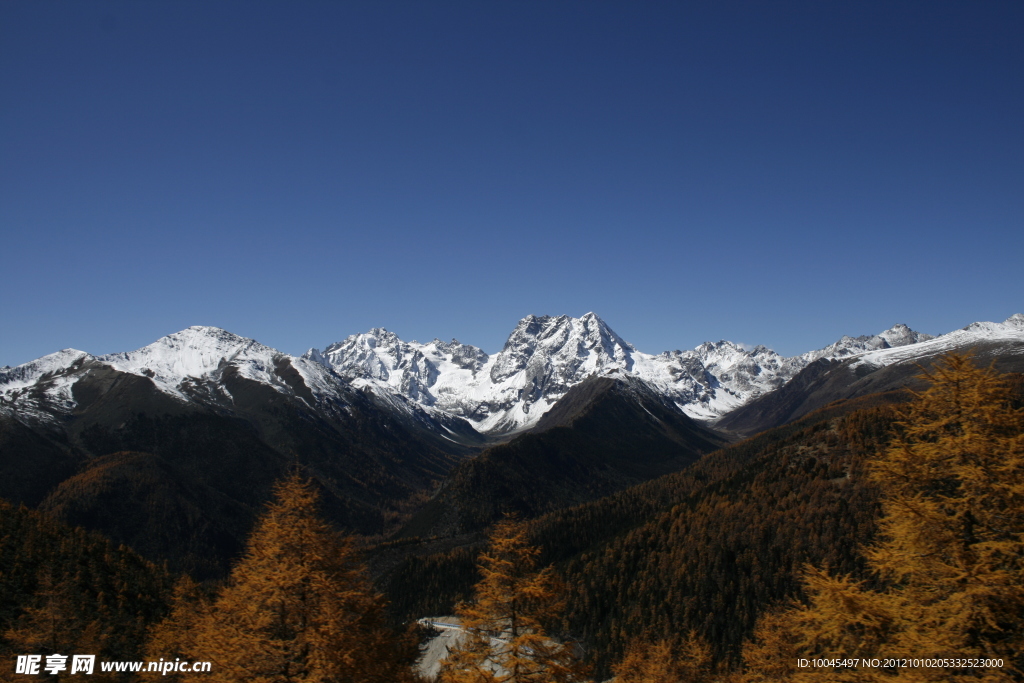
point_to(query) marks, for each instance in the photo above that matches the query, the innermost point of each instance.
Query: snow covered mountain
(192, 364)
(845, 377)
(447, 382)
(199, 424)
(1006, 336)
(545, 356)
(895, 336)
(175, 447)
(198, 366)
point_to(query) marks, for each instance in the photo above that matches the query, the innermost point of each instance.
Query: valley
(708, 477)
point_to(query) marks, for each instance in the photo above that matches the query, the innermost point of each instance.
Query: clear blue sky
(766, 172)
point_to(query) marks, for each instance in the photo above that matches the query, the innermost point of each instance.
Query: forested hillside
(707, 548)
(710, 550)
(701, 559)
(604, 435)
(184, 484)
(67, 590)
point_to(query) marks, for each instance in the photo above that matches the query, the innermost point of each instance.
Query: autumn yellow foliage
(665, 661)
(505, 638)
(297, 607)
(947, 571)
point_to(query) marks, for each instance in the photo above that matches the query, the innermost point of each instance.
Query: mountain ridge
(827, 380)
(458, 388)
(508, 392)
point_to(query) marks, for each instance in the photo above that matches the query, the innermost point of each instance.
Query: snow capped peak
(1012, 325)
(896, 336)
(1008, 334)
(545, 326)
(379, 334)
(1015, 321)
(314, 355)
(21, 376)
(901, 335)
(564, 344)
(708, 348)
(193, 352)
(195, 362)
(410, 368)
(543, 357)
(26, 389)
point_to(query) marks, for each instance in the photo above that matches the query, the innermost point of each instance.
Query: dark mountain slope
(149, 504)
(706, 548)
(31, 462)
(826, 381)
(199, 471)
(67, 590)
(602, 436)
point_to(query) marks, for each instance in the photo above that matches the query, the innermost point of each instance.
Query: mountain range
(545, 356)
(187, 435)
(632, 468)
(449, 386)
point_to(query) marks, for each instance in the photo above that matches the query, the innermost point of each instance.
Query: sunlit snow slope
(545, 356)
(497, 394)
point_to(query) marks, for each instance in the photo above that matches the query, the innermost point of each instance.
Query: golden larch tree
(665, 661)
(174, 638)
(56, 625)
(297, 607)
(948, 568)
(504, 637)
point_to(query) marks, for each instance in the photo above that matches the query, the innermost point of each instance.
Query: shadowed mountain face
(156, 508)
(183, 480)
(174, 448)
(706, 548)
(187, 435)
(826, 381)
(605, 434)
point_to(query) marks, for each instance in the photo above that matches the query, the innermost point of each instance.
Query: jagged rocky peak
(727, 349)
(376, 338)
(410, 368)
(314, 354)
(380, 354)
(564, 344)
(543, 357)
(729, 361)
(901, 335)
(464, 356)
(374, 354)
(589, 328)
(896, 336)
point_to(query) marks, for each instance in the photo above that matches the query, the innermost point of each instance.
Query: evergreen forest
(889, 526)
